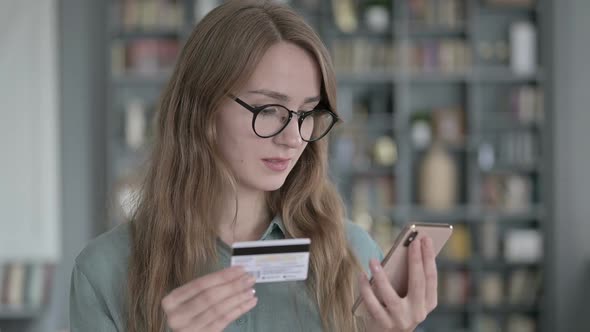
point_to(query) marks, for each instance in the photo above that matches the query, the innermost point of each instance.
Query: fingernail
(251, 279)
(374, 266)
(253, 291)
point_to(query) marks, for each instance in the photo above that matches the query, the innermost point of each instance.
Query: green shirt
(97, 301)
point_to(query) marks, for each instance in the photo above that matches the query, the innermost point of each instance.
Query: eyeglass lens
(272, 119)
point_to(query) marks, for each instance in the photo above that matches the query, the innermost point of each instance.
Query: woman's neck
(251, 220)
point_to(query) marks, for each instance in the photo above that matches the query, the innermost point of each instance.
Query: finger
(183, 314)
(372, 304)
(383, 288)
(430, 273)
(219, 318)
(416, 283)
(191, 289)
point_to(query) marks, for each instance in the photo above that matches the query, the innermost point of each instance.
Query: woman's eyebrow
(282, 97)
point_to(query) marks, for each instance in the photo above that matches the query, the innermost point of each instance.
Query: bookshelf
(410, 74)
(452, 57)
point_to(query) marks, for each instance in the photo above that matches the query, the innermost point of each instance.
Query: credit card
(273, 260)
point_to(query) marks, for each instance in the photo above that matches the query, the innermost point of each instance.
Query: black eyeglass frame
(300, 114)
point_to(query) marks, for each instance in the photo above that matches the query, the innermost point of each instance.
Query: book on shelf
(520, 323)
(363, 55)
(511, 3)
(524, 287)
(443, 55)
(147, 57)
(25, 285)
(491, 289)
(487, 323)
(458, 248)
(489, 244)
(150, 15)
(437, 13)
(454, 287)
(526, 104)
(510, 193)
(437, 56)
(442, 124)
(373, 193)
(138, 128)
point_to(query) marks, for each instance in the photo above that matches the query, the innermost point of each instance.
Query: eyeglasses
(269, 120)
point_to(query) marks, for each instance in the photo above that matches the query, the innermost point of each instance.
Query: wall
(569, 233)
(82, 61)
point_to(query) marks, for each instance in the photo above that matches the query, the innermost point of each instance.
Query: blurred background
(468, 112)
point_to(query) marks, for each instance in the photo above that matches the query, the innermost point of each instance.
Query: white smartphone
(395, 263)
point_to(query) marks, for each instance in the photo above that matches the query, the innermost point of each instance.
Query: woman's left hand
(396, 314)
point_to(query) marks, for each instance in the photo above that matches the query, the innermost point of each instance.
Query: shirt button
(241, 321)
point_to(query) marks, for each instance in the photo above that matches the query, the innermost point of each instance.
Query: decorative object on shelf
(486, 156)
(385, 151)
(421, 130)
(135, 124)
(438, 179)
(449, 125)
(345, 15)
(523, 246)
(523, 46)
(377, 15)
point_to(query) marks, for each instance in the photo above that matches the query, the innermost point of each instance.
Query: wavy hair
(174, 228)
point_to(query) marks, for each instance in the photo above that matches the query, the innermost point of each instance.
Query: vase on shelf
(438, 179)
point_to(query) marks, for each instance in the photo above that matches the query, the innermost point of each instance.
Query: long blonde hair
(174, 229)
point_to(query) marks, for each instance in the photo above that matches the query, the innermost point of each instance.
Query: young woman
(240, 154)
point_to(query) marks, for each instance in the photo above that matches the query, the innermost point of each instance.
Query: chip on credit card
(273, 260)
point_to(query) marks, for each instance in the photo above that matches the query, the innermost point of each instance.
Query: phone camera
(411, 238)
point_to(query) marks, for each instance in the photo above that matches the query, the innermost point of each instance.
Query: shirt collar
(275, 230)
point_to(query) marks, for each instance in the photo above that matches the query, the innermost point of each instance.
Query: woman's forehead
(286, 71)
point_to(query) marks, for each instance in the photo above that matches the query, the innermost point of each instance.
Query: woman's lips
(276, 164)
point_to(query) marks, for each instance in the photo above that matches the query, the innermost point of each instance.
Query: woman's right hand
(211, 302)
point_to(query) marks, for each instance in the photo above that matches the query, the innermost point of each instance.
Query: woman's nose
(290, 136)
